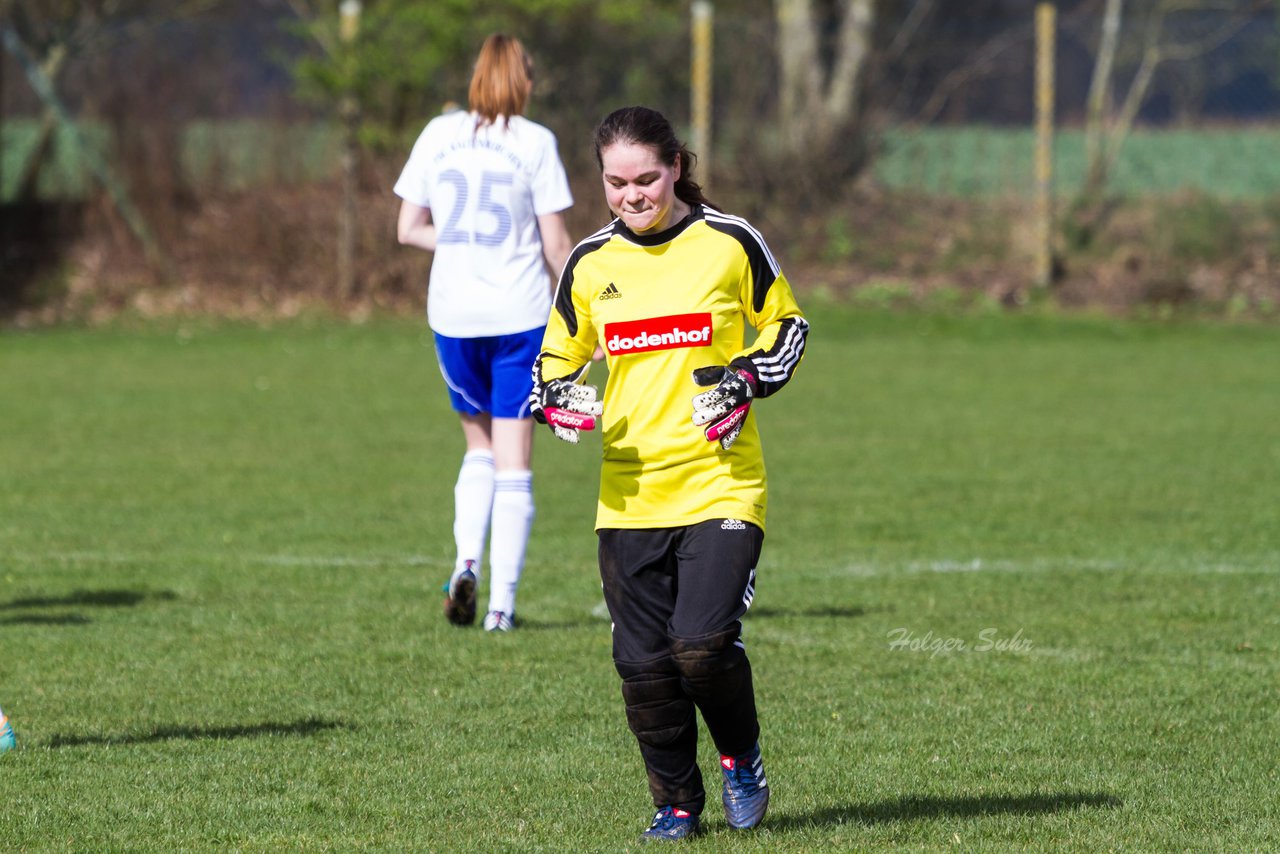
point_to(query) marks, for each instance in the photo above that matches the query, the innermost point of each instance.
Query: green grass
(963, 161)
(977, 160)
(231, 155)
(222, 547)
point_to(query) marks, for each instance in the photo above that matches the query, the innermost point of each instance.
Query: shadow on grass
(45, 620)
(924, 808)
(90, 598)
(80, 598)
(837, 611)
(537, 625)
(304, 727)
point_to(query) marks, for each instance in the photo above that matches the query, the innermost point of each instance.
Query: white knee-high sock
(472, 507)
(509, 535)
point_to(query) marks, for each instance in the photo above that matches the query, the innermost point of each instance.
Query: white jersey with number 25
(486, 188)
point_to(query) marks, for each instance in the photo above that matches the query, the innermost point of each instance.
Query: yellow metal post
(700, 84)
(1046, 24)
(349, 20)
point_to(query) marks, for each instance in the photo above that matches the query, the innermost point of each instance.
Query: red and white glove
(725, 407)
(566, 408)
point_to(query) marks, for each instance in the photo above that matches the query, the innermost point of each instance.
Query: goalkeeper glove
(724, 407)
(566, 408)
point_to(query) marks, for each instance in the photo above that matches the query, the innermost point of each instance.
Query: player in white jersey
(485, 191)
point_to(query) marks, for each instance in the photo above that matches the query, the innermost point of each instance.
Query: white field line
(1263, 566)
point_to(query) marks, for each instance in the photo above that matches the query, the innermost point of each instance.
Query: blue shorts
(493, 375)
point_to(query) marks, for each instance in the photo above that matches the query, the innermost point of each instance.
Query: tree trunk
(1099, 103)
(799, 71)
(820, 98)
(844, 95)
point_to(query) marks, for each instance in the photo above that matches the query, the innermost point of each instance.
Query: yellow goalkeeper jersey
(662, 305)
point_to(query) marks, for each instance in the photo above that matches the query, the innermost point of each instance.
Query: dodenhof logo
(658, 333)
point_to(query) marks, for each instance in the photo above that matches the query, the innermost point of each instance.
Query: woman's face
(640, 188)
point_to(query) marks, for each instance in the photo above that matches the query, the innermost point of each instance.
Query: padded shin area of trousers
(663, 720)
(716, 675)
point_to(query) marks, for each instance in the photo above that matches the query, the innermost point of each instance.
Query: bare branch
(1214, 40)
(1132, 103)
(306, 12)
(919, 13)
(851, 61)
(1099, 100)
(982, 66)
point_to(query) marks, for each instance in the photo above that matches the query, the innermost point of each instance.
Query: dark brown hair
(643, 126)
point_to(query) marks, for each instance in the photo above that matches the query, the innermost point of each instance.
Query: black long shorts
(667, 583)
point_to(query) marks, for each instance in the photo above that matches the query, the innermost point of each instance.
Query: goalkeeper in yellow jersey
(669, 290)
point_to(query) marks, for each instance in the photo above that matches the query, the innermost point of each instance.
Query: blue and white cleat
(746, 792)
(460, 601)
(672, 824)
(7, 739)
(499, 621)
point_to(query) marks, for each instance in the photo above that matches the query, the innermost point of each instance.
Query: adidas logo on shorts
(733, 525)
(611, 292)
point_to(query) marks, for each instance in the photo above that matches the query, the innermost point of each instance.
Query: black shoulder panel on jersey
(764, 270)
(564, 290)
(665, 236)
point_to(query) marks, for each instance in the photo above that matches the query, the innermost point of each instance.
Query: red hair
(502, 80)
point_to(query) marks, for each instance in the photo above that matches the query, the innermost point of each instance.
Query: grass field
(976, 161)
(1019, 592)
(966, 161)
